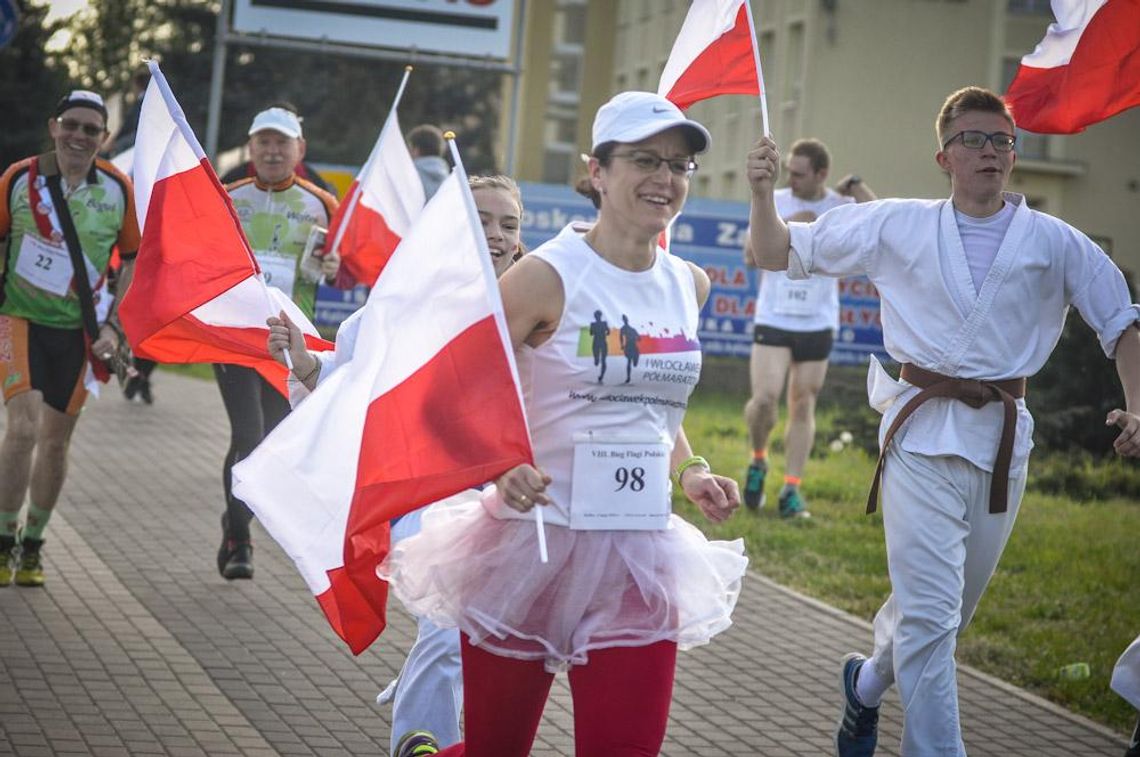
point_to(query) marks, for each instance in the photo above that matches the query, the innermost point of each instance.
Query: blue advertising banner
(711, 233)
(334, 305)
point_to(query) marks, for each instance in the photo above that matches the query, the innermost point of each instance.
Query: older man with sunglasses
(57, 207)
(975, 290)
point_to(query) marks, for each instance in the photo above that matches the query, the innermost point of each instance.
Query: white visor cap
(634, 116)
(277, 119)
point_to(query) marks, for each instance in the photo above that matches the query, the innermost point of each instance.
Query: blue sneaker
(858, 731)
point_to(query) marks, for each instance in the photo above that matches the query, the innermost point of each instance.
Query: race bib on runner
(795, 297)
(278, 270)
(48, 266)
(619, 484)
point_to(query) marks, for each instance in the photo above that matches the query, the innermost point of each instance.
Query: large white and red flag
(428, 406)
(1086, 69)
(197, 295)
(714, 54)
(381, 204)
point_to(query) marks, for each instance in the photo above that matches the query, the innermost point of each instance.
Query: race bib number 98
(620, 484)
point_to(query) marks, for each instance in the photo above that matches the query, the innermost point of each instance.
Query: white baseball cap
(634, 116)
(277, 119)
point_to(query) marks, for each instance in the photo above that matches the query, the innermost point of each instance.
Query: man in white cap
(56, 207)
(303, 169)
(278, 210)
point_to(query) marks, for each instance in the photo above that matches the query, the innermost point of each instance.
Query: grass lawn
(1065, 590)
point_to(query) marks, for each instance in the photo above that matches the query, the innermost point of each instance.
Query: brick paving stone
(137, 646)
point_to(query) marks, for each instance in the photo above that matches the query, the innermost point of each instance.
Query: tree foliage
(1074, 392)
(31, 82)
(344, 100)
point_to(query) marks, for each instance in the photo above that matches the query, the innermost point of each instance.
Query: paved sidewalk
(137, 646)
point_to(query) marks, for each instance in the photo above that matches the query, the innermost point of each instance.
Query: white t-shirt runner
(807, 304)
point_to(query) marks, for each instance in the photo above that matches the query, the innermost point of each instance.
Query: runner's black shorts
(806, 346)
(51, 360)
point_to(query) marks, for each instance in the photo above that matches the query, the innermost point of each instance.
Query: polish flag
(428, 406)
(380, 206)
(197, 295)
(714, 54)
(1086, 69)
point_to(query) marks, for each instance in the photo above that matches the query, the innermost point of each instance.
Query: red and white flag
(1086, 69)
(428, 406)
(380, 206)
(714, 54)
(196, 295)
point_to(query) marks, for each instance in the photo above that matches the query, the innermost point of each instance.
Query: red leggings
(621, 702)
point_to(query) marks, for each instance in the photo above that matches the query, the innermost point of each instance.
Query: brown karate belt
(973, 392)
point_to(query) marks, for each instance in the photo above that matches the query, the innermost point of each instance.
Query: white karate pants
(429, 691)
(943, 545)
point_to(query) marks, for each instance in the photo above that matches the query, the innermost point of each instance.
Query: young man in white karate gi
(975, 290)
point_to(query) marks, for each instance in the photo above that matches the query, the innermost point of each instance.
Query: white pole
(492, 284)
(759, 70)
(352, 201)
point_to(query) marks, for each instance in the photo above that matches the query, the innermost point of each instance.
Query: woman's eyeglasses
(648, 162)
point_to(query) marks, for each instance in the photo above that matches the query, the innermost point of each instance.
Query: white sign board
(478, 28)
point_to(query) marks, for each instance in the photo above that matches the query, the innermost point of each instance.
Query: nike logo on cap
(657, 109)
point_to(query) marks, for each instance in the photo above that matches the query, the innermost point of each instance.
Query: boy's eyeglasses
(976, 140)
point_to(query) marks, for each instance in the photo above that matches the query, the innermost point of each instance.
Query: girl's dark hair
(604, 153)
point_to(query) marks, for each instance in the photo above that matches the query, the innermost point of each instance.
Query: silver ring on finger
(523, 499)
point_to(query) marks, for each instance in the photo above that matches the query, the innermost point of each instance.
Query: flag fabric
(1086, 69)
(380, 206)
(428, 406)
(714, 54)
(196, 295)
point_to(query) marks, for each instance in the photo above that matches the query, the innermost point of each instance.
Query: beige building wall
(865, 76)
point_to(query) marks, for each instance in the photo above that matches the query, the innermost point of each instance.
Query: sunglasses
(70, 124)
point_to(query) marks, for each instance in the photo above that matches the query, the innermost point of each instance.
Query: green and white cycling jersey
(276, 220)
(35, 268)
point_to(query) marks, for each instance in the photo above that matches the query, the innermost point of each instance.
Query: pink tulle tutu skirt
(470, 570)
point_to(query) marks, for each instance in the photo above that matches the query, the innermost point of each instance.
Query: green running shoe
(31, 569)
(792, 504)
(754, 484)
(9, 559)
(416, 744)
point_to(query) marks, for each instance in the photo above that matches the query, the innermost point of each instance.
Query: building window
(573, 22)
(1029, 8)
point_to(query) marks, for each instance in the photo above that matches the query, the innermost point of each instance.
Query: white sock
(870, 686)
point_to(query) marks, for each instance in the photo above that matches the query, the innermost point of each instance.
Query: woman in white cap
(627, 582)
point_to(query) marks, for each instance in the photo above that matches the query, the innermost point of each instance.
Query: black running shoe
(1134, 742)
(224, 550)
(144, 391)
(240, 561)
